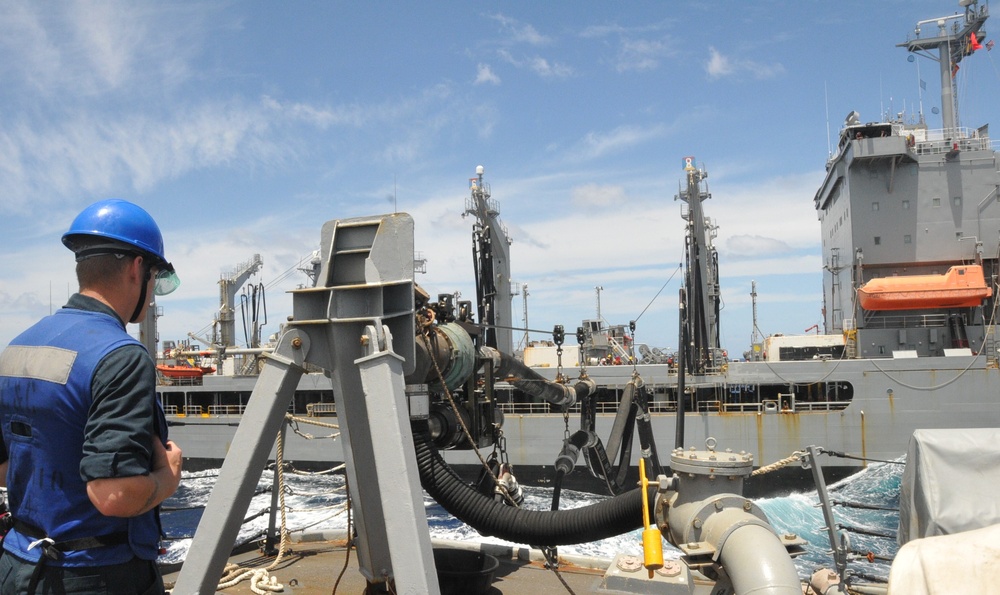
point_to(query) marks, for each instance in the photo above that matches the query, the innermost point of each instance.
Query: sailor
(84, 452)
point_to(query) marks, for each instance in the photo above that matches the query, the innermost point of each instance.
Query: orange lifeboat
(184, 371)
(961, 287)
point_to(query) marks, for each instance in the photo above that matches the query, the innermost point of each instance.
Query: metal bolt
(364, 340)
(747, 506)
(696, 523)
(790, 536)
(297, 343)
(718, 504)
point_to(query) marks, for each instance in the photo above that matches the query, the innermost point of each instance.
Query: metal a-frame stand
(357, 323)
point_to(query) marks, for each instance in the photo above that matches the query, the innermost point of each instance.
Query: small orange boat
(183, 371)
(961, 287)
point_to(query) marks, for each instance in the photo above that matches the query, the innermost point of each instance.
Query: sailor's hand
(167, 461)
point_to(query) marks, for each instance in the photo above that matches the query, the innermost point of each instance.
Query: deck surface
(314, 567)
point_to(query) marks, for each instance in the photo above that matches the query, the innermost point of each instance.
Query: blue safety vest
(45, 396)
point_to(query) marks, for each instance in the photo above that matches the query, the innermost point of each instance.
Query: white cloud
(537, 64)
(521, 32)
(753, 245)
(598, 195)
(484, 74)
(596, 144)
(88, 49)
(542, 67)
(641, 54)
(720, 66)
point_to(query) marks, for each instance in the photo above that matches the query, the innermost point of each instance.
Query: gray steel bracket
(357, 323)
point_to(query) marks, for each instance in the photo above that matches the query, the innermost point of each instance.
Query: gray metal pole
(264, 415)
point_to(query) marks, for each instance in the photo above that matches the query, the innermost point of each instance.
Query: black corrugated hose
(607, 518)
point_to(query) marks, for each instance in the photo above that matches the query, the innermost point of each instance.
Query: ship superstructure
(902, 202)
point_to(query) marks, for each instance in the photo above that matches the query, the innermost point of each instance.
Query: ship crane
(229, 285)
(702, 276)
(491, 258)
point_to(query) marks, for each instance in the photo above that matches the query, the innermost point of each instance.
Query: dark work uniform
(95, 418)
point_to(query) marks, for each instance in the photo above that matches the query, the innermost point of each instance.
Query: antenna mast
(951, 44)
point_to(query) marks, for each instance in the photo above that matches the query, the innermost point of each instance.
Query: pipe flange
(698, 526)
(629, 563)
(711, 462)
(670, 569)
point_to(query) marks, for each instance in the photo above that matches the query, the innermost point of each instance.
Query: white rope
(777, 464)
(261, 582)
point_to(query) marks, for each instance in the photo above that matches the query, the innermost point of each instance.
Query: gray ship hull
(891, 398)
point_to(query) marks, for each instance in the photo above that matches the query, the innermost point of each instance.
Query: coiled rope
(261, 582)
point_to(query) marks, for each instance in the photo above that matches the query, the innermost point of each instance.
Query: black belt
(53, 548)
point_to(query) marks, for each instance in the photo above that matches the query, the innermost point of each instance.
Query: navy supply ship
(910, 222)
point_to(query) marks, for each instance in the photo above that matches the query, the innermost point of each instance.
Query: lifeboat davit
(961, 287)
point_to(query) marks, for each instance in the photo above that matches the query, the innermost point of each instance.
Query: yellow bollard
(652, 541)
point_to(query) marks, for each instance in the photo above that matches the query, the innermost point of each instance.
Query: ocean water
(318, 503)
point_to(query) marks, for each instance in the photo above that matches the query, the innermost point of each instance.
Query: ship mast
(702, 275)
(952, 43)
(491, 258)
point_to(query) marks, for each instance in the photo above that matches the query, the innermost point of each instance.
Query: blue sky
(243, 126)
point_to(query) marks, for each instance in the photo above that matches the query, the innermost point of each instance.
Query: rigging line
(861, 531)
(961, 373)
(514, 328)
(658, 293)
(809, 383)
(287, 272)
(862, 506)
(844, 455)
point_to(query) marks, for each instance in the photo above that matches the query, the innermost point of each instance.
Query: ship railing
(741, 407)
(190, 410)
(709, 406)
(321, 409)
(907, 321)
(544, 408)
(226, 409)
(821, 405)
(941, 141)
(170, 409)
(162, 380)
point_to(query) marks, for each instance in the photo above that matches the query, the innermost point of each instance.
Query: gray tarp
(951, 483)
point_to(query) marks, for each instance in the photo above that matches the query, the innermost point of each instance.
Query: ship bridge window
(957, 201)
(936, 202)
(878, 240)
(907, 239)
(875, 206)
(906, 204)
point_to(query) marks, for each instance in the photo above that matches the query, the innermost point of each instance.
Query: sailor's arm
(132, 496)
(125, 464)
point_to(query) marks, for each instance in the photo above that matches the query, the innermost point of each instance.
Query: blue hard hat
(126, 225)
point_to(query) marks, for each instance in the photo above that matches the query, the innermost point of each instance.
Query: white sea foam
(315, 503)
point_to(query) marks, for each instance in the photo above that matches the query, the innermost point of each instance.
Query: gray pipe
(533, 383)
(758, 563)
